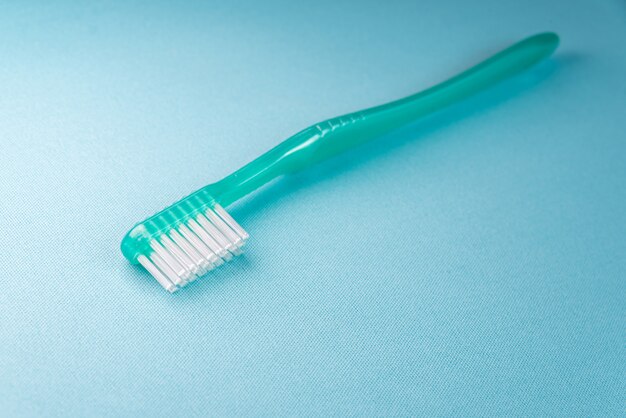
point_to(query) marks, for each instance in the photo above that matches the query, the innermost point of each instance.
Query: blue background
(471, 264)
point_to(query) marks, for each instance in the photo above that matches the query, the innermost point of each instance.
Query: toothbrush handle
(331, 137)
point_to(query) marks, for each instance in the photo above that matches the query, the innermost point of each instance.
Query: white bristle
(165, 269)
(231, 222)
(218, 251)
(171, 247)
(198, 244)
(180, 271)
(215, 233)
(191, 249)
(202, 263)
(156, 273)
(225, 229)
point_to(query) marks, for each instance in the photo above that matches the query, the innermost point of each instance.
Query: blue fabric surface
(471, 264)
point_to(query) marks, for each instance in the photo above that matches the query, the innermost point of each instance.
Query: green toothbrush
(196, 234)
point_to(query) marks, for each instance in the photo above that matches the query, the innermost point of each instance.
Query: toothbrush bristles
(191, 249)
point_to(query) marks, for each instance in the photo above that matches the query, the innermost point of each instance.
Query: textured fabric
(471, 264)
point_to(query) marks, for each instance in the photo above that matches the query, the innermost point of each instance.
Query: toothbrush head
(185, 240)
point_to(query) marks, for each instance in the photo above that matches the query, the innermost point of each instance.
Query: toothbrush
(196, 234)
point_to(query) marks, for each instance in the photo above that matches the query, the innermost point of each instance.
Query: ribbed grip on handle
(339, 134)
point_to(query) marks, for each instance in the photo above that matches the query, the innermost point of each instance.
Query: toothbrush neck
(287, 157)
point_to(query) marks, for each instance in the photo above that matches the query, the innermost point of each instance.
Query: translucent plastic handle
(331, 137)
